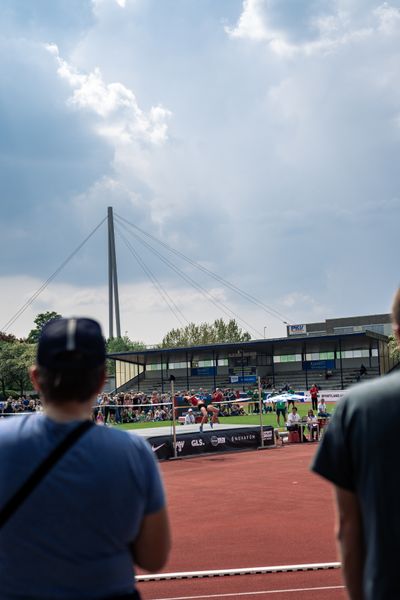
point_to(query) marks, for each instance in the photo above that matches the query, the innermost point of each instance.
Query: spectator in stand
(314, 396)
(158, 415)
(189, 417)
(104, 405)
(322, 409)
(99, 417)
(312, 425)
(293, 423)
(217, 397)
(237, 410)
(31, 406)
(8, 408)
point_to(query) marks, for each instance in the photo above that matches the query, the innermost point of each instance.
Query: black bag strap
(41, 471)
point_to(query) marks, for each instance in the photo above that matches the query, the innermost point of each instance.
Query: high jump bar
(242, 571)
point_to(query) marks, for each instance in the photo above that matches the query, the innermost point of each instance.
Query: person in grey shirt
(359, 455)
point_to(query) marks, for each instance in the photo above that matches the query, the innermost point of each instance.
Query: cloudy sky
(259, 138)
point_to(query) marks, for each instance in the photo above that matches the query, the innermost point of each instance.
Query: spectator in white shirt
(322, 412)
(293, 419)
(312, 424)
(293, 423)
(189, 417)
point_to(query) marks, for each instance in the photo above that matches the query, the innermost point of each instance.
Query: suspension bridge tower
(113, 298)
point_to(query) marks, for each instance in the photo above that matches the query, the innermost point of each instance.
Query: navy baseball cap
(71, 343)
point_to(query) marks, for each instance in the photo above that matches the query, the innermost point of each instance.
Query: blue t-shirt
(71, 537)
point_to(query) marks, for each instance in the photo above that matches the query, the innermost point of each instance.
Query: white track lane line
(237, 594)
(242, 571)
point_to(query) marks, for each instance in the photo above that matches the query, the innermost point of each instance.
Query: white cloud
(120, 3)
(281, 145)
(121, 118)
(388, 18)
(330, 31)
(145, 315)
(251, 22)
(305, 305)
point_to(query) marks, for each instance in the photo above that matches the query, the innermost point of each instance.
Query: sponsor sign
(327, 395)
(203, 371)
(210, 441)
(318, 365)
(297, 329)
(243, 379)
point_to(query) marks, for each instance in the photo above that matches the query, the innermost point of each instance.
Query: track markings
(242, 571)
(259, 593)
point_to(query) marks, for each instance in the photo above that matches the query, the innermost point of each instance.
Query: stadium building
(334, 354)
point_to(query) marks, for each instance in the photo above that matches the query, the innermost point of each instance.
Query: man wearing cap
(100, 508)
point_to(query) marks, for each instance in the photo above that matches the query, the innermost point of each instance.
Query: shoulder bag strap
(41, 471)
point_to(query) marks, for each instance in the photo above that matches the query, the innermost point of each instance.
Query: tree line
(17, 355)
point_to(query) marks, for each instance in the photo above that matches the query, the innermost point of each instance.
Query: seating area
(294, 437)
(297, 380)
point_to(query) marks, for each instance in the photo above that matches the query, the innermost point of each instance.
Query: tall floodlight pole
(113, 298)
(110, 280)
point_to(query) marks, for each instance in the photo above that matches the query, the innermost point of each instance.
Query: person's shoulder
(119, 438)
(387, 385)
(14, 429)
(370, 395)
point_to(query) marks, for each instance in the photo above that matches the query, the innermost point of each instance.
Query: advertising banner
(297, 329)
(318, 365)
(227, 440)
(203, 371)
(327, 395)
(243, 379)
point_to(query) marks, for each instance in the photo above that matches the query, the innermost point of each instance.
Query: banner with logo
(203, 372)
(243, 379)
(297, 329)
(327, 395)
(318, 365)
(227, 440)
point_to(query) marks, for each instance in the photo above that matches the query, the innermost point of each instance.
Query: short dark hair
(69, 384)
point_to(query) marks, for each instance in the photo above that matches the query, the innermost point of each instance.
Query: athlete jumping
(200, 405)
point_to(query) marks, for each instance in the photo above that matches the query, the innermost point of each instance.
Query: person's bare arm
(152, 545)
(351, 541)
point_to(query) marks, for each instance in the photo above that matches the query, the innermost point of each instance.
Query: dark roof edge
(250, 343)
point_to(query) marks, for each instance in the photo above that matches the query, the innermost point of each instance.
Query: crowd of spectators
(135, 407)
(138, 406)
(132, 407)
(23, 404)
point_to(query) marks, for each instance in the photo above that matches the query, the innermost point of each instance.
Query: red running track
(249, 509)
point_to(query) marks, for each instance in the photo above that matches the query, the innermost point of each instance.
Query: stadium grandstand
(334, 354)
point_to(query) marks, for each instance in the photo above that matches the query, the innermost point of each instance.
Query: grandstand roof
(350, 340)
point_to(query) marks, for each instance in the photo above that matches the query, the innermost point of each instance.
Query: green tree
(206, 333)
(394, 348)
(121, 344)
(15, 359)
(7, 337)
(40, 322)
